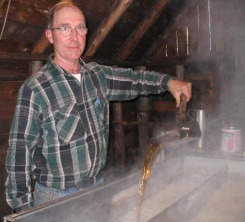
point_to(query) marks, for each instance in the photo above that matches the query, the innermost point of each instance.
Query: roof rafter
(107, 24)
(141, 29)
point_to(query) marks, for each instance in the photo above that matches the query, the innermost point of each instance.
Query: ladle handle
(182, 109)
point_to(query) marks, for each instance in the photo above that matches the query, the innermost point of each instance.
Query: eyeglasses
(66, 30)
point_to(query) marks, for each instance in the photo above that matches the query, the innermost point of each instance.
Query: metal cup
(201, 118)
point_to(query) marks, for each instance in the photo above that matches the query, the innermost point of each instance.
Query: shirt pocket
(100, 105)
(68, 123)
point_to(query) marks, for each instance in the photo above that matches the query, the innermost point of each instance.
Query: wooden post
(119, 146)
(143, 117)
(180, 71)
(143, 108)
(34, 67)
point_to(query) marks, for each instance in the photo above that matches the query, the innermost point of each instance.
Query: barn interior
(201, 41)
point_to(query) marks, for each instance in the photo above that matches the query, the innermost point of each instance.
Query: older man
(59, 133)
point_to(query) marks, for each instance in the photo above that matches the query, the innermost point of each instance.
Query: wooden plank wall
(12, 74)
(212, 31)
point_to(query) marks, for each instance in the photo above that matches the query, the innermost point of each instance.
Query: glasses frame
(63, 30)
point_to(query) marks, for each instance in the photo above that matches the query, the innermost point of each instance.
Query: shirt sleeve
(23, 137)
(123, 84)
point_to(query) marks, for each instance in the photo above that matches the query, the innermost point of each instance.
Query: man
(59, 133)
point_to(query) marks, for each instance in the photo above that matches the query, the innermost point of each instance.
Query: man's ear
(49, 35)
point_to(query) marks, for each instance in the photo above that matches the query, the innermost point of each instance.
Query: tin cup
(231, 140)
(200, 116)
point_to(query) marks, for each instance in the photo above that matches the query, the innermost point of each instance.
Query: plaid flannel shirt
(59, 133)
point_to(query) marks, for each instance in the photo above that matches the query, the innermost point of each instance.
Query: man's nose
(73, 33)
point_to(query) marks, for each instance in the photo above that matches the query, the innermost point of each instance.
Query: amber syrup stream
(151, 153)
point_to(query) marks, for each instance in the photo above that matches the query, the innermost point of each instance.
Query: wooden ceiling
(129, 31)
(119, 30)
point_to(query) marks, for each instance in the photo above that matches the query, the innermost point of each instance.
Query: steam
(173, 178)
(232, 66)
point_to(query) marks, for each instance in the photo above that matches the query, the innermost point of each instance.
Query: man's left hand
(178, 87)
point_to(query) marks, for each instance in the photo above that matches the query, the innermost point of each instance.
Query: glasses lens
(64, 30)
(81, 31)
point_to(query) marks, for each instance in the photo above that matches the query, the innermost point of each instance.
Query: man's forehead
(68, 9)
(65, 13)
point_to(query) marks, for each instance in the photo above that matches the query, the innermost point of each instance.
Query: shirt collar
(54, 67)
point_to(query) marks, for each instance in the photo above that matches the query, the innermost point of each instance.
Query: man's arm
(23, 134)
(146, 82)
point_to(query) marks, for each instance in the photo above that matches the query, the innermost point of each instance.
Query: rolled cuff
(165, 81)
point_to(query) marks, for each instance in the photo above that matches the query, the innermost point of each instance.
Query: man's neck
(72, 67)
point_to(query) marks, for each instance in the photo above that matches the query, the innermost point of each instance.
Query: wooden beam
(22, 33)
(19, 12)
(118, 8)
(9, 74)
(166, 62)
(158, 44)
(23, 56)
(40, 5)
(2, 3)
(139, 32)
(7, 45)
(41, 45)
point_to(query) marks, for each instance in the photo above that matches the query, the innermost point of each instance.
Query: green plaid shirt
(59, 133)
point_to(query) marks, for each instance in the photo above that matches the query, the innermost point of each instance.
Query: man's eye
(81, 27)
(64, 28)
